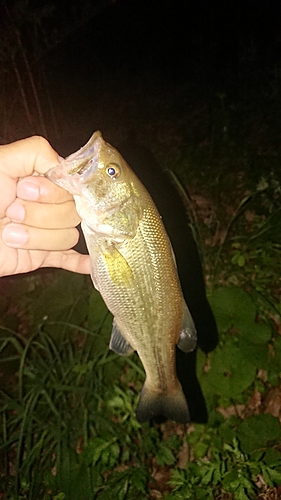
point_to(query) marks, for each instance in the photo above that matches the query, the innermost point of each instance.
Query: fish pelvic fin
(171, 405)
(118, 343)
(188, 336)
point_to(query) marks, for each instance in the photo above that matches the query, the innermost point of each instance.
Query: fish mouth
(78, 167)
(91, 148)
(86, 157)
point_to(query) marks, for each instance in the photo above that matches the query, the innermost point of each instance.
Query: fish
(134, 269)
(165, 192)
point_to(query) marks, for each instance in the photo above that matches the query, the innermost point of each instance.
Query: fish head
(104, 188)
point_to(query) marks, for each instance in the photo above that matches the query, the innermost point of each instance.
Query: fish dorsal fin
(117, 342)
(188, 337)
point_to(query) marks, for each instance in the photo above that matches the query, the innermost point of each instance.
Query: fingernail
(14, 235)
(28, 190)
(16, 211)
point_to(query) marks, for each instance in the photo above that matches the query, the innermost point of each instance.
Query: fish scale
(134, 269)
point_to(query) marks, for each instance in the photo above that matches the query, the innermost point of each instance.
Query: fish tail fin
(171, 405)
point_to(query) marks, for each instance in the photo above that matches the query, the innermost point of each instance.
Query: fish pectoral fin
(188, 337)
(118, 268)
(118, 343)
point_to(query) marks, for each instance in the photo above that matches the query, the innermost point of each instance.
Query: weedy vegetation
(67, 403)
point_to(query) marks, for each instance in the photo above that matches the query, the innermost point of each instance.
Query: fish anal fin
(188, 337)
(118, 343)
(171, 405)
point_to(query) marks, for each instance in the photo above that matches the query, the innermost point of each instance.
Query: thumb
(24, 157)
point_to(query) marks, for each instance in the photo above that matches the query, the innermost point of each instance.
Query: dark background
(186, 78)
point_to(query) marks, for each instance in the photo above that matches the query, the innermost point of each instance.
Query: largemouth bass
(134, 269)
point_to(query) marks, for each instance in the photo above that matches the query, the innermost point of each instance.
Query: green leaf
(239, 259)
(266, 476)
(275, 475)
(208, 472)
(231, 480)
(200, 449)
(240, 494)
(258, 431)
(257, 354)
(232, 306)
(115, 452)
(257, 333)
(272, 457)
(165, 456)
(95, 450)
(60, 496)
(230, 373)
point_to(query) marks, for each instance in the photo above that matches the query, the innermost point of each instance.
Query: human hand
(37, 218)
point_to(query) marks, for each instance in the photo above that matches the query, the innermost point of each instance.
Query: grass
(58, 406)
(69, 432)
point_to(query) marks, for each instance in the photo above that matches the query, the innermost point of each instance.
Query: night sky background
(141, 66)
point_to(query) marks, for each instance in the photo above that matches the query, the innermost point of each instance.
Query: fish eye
(113, 170)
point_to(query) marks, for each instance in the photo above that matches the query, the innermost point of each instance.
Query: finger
(22, 158)
(43, 215)
(41, 189)
(23, 261)
(69, 260)
(32, 238)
